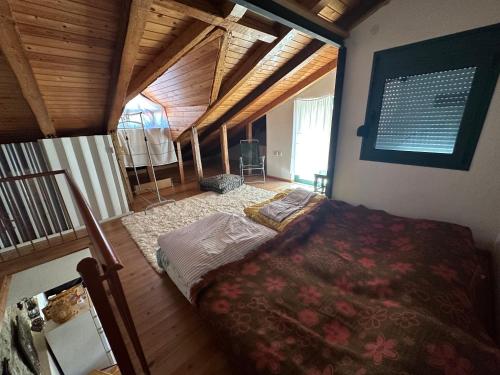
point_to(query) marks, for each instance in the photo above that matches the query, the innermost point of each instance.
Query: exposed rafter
(238, 78)
(357, 14)
(137, 17)
(296, 16)
(190, 39)
(315, 6)
(299, 87)
(302, 85)
(232, 12)
(231, 17)
(12, 49)
(294, 63)
(214, 35)
(219, 67)
(62, 55)
(168, 57)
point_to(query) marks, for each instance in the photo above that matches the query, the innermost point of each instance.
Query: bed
(349, 290)
(190, 252)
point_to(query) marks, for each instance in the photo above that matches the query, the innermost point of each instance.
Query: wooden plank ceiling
(69, 66)
(15, 113)
(184, 90)
(70, 46)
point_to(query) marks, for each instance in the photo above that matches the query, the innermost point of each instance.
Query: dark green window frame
(478, 48)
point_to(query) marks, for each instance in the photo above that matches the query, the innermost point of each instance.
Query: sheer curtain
(312, 120)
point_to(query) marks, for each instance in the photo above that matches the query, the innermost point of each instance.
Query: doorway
(312, 122)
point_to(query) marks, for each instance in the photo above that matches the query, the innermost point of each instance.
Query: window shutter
(422, 113)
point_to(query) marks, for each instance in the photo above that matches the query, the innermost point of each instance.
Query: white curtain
(312, 121)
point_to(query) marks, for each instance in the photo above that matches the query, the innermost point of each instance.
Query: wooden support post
(249, 131)
(179, 160)
(223, 149)
(196, 153)
(4, 292)
(88, 268)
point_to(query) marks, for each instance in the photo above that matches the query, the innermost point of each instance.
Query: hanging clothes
(140, 112)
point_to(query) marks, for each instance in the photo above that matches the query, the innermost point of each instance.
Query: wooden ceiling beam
(296, 16)
(315, 6)
(219, 67)
(299, 87)
(229, 16)
(294, 63)
(168, 57)
(252, 64)
(12, 48)
(254, 27)
(137, 17)
(353, 16)
(243, 73)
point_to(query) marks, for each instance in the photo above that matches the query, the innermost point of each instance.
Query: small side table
(320, 181)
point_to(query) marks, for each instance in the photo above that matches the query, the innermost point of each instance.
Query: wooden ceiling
(15, 113)
(69, 66)
(184, 90)
(69, 46)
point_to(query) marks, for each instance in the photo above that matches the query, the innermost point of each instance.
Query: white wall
(38, 279)
(279, 127)
(94, 168)
(471, 197)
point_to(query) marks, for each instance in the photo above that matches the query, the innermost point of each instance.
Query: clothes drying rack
(125, 119)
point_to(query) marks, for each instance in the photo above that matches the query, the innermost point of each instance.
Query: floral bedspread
(348, 290)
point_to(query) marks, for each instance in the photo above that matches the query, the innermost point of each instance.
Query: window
(428, 100)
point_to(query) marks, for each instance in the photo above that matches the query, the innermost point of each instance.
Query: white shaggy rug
(145, 227)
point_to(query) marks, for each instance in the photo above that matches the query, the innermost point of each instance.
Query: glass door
(312, 122)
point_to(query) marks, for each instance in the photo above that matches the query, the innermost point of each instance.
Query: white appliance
(79, 344)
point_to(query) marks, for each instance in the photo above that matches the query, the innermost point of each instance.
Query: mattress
(177, 279)
(187, 254)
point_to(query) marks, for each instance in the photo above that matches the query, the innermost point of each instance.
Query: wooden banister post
(179, 160)
(89, 270)
(4, 292)
(224, 149)
(196, 153)
(249, 131)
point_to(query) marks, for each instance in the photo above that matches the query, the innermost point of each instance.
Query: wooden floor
(174, 339)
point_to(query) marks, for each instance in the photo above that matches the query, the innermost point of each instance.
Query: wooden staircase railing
(100, 275)
(33, 216)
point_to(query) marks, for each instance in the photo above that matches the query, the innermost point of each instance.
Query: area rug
(145, 227)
